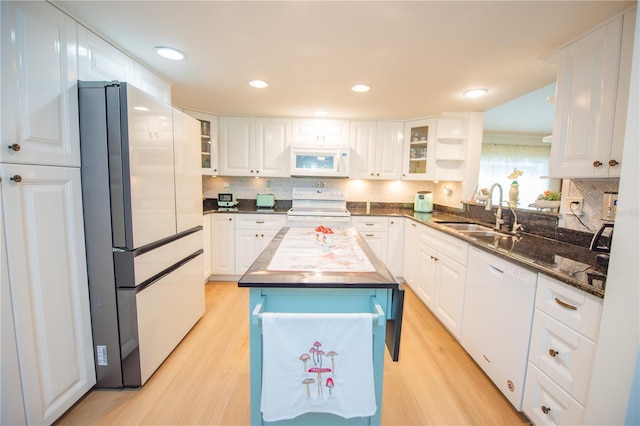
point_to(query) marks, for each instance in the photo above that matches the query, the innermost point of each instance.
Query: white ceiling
(417, 56)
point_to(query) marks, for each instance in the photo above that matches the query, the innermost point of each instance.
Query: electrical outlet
(575, 205)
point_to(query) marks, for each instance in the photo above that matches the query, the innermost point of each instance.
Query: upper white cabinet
(39, 86)
(450, 153)
(376, 149)
(591, 102)
(208, 142)
(151, 83)
(417, 163)
(320, 132)
(99, 60)
(254, 146)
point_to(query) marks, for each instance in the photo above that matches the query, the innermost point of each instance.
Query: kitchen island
(297, 274)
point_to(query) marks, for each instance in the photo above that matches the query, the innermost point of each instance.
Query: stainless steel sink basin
(465, 227)
(487, 233)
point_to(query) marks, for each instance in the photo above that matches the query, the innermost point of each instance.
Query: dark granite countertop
(565, 262)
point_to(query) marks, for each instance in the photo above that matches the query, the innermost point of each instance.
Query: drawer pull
(369, 235)
(545, 410)
(369, 224)
(553, 353)
(565, 305)
(259, 221)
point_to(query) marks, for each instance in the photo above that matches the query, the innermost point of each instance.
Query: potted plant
(548, 200)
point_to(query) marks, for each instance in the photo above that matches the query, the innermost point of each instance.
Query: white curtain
(498, 161)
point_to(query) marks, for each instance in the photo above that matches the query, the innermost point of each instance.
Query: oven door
(300, 221)
(323, 162)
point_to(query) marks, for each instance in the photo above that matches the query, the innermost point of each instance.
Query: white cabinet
(188, 178)
(208, 142)
(320, 132)
(99, 60)
(395, 245)
(151, 83)
(48, 282)
(419, 136)
(39, 85)
(376, 149)
(206, 245)
(451, 151)
(443, 261)
(561, 353)
(253, 233)
(223, 244)
(496, 322)
(254, 147)
(410, 261)
(591, 102)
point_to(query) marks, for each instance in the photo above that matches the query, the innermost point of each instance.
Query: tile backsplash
(593, 192)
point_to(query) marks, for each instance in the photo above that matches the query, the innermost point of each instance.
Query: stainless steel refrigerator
(141, 189)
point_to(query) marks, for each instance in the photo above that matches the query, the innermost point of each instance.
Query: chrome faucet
(488, 207)
(516, 226)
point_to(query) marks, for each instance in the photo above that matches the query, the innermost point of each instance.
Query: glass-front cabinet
(418, 146)
(208, 142)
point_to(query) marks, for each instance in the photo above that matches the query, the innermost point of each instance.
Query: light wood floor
(205, 381)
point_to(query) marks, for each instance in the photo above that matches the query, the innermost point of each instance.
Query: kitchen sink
(465, 226)
(485, 233)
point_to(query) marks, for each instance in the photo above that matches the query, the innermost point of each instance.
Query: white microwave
(321, 162)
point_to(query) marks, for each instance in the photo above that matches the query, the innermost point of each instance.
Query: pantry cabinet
(254, 146)
(39, 85)
(561, 353)
(376, 150)
(591, 102)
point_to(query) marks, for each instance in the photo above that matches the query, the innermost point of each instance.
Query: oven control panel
(318, 194)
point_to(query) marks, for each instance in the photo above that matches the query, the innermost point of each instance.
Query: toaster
(265, 201)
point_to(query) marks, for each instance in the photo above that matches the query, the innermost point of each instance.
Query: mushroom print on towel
(317, 363)
(316, 354)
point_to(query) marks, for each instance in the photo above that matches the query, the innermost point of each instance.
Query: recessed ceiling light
(170, 53)
(360, 88)
(474, 93)
(321, 112)
(258, 84)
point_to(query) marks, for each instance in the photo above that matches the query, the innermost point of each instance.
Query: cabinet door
(410, 262)
(237, 146)
(99, 60)
(223, 244)
(151, 83)
(363, 150)
(585, 104)
(426, 279)
(418, 155)
(273, 139)
(208, 142)
(48, 279)
(395, 246)
(319, 132)
(39, 85)
(377, 242)
(389, 146)
(449, 293)
(248, 247)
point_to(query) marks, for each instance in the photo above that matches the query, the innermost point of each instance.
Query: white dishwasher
(497, 318)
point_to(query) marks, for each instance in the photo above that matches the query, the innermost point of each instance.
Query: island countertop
(347, 263)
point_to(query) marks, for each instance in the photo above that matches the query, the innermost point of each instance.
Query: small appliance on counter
(423, 202)
(265, 202)
(227, 201)
(609, 206)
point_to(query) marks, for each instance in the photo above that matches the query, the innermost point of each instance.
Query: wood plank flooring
(205, 381)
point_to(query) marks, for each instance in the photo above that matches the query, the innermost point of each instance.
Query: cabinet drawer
(451, 247)
(370, 223)
(545, 403)
(572, 307)
(260, 221)
(562, 354)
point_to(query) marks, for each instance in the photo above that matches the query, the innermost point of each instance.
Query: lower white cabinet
(410, 261)
(395, 246)
(385, 236)
(253, 232)
(47, 281)
(561, 353)
(223, 243)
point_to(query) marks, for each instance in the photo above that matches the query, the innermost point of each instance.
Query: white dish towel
(317, 363)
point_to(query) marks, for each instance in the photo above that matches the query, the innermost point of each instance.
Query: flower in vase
(514, 176)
